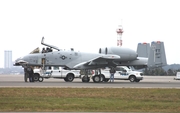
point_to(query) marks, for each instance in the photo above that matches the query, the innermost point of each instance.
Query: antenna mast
(119, 32)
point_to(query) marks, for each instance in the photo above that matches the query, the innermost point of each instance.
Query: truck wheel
(132, 78)
(41, 79)
(85, 79)
(36, 77)
(70, 77)
(65, 79)
(96, 78)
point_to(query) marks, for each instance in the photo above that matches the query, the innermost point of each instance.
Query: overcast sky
(87, 25)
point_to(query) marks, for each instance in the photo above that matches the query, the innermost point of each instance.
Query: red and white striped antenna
(119, 32)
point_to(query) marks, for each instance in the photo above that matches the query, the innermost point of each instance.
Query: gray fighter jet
(107, 57)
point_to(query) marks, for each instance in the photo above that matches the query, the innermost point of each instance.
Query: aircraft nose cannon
(17, 62)
(20, 61)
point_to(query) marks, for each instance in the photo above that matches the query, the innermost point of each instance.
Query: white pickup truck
(122, 73)
(177, 76)
(55, 72)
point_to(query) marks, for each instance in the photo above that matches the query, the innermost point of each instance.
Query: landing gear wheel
(41, 79)
(96, 78)
(132, 78)
(102, 78)
(85, 79)
(36, 77)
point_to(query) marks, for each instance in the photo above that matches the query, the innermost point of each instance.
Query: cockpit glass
(35, 51)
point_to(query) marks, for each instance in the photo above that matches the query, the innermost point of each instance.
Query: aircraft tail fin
(143, 49)
(157, 55)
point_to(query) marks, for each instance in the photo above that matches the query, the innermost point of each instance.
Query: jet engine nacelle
(125, 54)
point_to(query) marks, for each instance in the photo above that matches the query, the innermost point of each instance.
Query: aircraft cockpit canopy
(37, 50)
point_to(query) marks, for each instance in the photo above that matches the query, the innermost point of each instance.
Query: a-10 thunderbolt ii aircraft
(107, 57)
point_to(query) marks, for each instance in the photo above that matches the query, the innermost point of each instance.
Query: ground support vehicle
(55, 72)
(122, 73)
(177, 76)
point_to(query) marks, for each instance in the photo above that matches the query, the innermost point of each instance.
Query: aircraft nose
(16, 61)
(19, 61)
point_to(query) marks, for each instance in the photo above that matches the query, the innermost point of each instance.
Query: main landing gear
(96, 77)
(86, 77)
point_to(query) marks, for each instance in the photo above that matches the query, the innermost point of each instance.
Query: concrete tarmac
(147, 82)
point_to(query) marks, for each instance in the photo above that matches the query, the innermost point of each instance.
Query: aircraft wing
(97, 62)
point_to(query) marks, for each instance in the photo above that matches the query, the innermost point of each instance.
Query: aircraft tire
(70, 77)
(132, 78)
(41, 79)
(85, 79)
(96, 79)
(102, 78)
(36, 77)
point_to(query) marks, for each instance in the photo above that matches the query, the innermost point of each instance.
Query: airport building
(8, 59)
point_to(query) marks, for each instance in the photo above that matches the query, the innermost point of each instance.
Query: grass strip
(89, 100)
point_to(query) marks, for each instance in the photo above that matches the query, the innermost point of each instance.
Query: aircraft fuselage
(71, 58)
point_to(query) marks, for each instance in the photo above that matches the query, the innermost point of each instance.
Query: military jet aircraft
(107, 57)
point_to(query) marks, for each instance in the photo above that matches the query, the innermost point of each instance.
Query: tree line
(160, 72)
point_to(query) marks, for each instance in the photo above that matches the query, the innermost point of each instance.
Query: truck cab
(55, 72)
